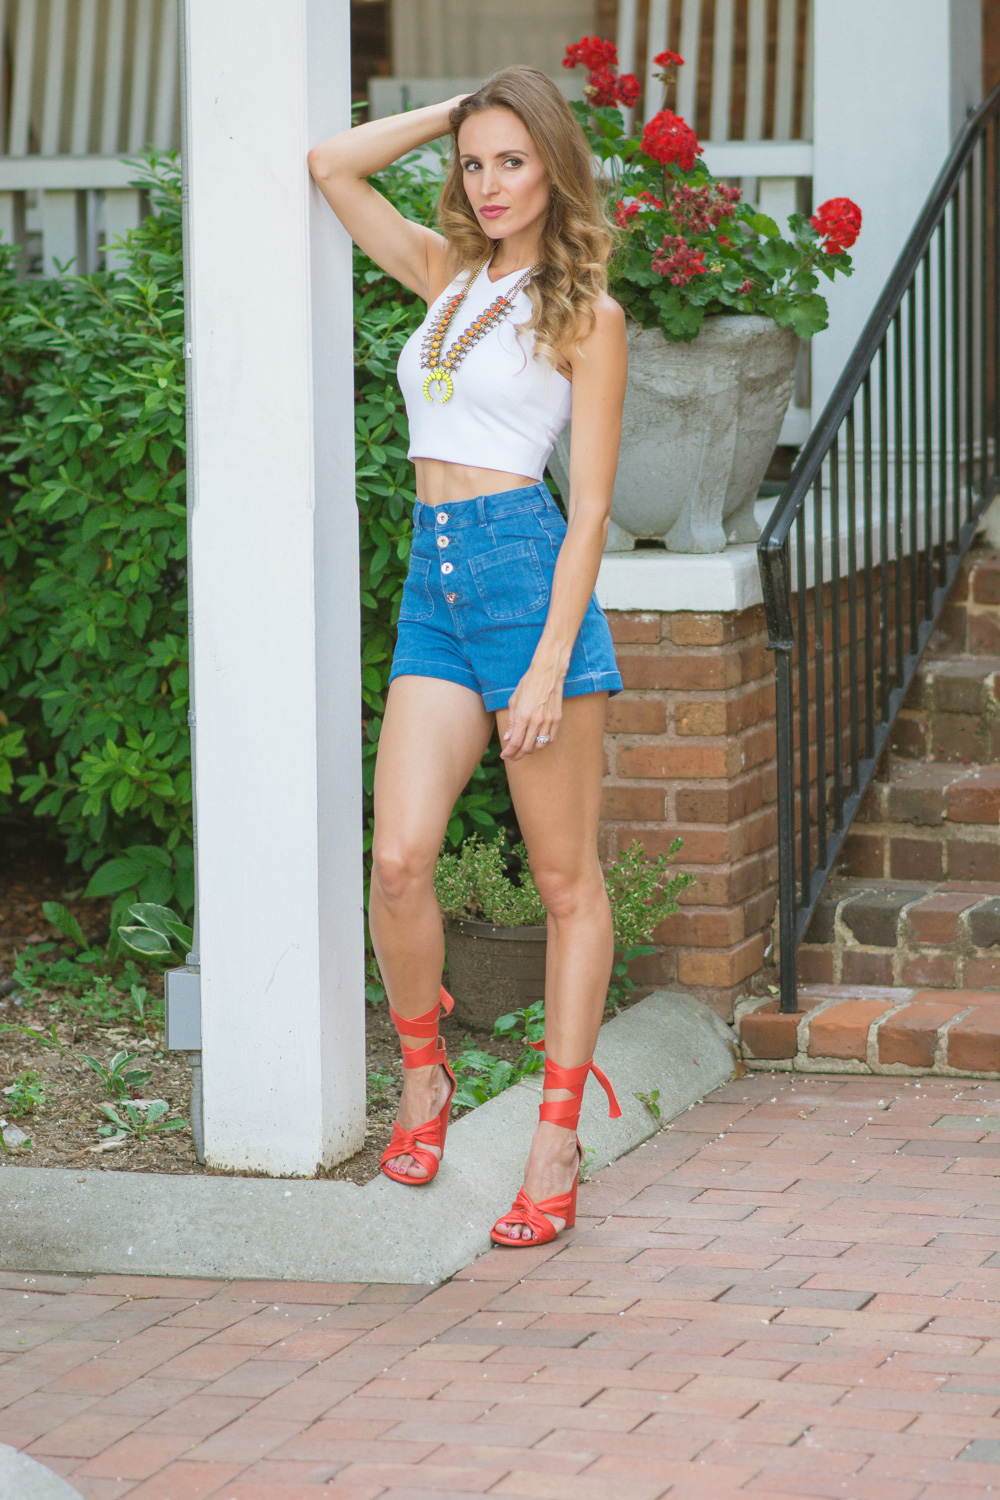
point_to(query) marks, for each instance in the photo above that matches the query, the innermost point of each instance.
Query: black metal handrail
(910, 440)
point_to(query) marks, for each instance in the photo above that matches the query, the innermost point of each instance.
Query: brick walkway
(793, 1291)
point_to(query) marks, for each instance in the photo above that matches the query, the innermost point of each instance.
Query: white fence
(83, 83)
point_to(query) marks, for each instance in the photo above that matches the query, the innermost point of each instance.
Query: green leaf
(806, 316)
(143, 940)
(117, 875)
(765, 225)
(67, 924)
(182, 933)
(156, 917)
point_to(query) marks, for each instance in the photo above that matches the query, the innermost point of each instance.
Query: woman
(498, 622)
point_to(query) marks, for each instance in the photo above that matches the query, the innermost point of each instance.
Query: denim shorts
(477, 595)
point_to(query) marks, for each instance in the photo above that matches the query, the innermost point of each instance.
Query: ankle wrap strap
(566, 1112)
(425, 1026)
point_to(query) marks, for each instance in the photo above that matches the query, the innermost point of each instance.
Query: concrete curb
(24, 1478)
(299, 1230)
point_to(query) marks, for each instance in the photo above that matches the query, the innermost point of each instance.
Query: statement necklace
(441, 369)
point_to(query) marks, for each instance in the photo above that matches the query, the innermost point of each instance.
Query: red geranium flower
(668, 60)
(628, 89)
(667, 138)
(838, 223)
(602, 87)
(701, 210)
(678, 261)
(623, 214)
(593, 52)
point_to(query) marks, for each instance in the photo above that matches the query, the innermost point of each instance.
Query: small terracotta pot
(493, 970)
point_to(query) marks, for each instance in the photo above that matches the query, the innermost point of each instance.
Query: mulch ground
(63, 1130)
(793, 1291)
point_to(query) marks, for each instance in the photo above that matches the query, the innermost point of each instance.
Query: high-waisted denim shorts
(477, 595)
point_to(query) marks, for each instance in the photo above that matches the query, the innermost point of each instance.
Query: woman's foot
(425, 1092)
(552, 1167)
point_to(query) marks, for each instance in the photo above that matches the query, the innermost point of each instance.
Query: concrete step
(927, 821)
(886, 932)
(844, 1028)
(952, 712)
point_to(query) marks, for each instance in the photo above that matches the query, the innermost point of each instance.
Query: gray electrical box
(182, 989)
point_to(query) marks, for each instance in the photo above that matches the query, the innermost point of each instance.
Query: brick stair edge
(974, 966)
(773, 1032)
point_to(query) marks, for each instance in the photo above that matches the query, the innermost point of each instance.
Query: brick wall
(690, 751)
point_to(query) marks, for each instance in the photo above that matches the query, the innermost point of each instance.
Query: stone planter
(701, 422)
(493, 970)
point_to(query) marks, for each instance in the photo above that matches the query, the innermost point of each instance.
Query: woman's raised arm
(341, 165)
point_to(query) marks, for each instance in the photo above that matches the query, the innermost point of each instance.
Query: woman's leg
(557, 798)
(433, 736)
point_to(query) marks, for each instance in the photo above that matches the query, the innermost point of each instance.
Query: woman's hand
(534, 711)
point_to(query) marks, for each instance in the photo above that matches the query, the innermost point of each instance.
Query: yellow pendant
(439, 377)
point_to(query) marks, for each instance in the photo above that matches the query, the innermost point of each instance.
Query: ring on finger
(542, 739)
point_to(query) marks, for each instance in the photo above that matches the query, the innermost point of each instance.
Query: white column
(894, 82)
(275, 589)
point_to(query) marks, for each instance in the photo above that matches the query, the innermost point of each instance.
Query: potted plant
(717, 300)
(495, 923)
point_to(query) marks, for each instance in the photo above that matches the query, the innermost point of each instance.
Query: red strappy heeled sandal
(432, 1133)
(565, 1112)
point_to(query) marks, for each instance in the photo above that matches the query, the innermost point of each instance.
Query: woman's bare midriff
(442, 483)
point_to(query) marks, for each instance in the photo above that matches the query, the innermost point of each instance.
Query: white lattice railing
(83, 83)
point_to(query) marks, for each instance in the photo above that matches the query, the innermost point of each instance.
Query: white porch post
(275, 589)
(894, 82)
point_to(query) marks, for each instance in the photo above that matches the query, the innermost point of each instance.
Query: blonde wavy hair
(577, 238)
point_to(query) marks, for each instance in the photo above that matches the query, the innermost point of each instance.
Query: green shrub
(93, 580)
(93, 617)
(477, 882)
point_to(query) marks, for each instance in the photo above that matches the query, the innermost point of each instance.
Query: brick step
(927, 821)
(872, 1029)
(952, 712)
(970, 621)
(904, 932)
(930, 793)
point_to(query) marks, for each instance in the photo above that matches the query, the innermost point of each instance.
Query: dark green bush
(93, 590)
(92, 558)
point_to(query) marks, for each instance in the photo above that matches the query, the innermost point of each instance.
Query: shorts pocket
(510, 581)
(554, 527)
(553, 521)
(417, 603)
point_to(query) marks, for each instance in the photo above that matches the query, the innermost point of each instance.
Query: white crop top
(507, 408)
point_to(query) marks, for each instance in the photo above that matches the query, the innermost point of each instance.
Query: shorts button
(442, 518)
(451, 598)
(447, 567)
(442, 541)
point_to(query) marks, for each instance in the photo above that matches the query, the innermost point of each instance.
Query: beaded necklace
(440, 370)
